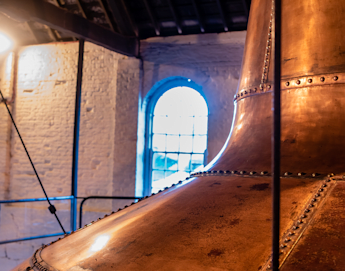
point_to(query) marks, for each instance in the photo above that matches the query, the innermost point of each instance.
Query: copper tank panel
(221, 219)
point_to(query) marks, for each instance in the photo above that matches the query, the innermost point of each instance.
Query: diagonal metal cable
(51, 207)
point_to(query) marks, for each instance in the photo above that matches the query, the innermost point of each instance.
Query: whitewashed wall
(111, 145)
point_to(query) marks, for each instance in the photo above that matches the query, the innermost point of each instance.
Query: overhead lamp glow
(5, 43)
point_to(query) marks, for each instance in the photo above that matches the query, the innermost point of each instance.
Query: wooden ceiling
(119, 24)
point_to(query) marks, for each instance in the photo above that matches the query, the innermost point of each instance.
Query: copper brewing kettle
(221, 219)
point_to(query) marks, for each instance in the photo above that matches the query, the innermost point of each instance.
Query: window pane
(186, 125)
(158, 142)
(183, 162)
(171, 159)
(199, 143)
(197, 161)
(159, 125)
(172, 125)
(169, 173)
(157, 175)
(200, 125)
(158, 161)
(186, 143)
(172, 143)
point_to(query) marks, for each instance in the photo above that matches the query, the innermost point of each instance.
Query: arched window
(178, 136)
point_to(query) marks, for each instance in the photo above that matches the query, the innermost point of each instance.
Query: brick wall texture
(114, 90)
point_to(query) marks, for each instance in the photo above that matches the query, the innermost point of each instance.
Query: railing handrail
(35, 199)
(97, 197)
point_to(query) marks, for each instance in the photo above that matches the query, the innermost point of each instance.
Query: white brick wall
(44, 113)
(113, 87)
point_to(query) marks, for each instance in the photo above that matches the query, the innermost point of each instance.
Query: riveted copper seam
(294, 83)
(291, 237)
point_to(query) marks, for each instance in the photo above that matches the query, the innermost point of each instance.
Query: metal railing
(84, 199)
(33, 200)
(97, 197)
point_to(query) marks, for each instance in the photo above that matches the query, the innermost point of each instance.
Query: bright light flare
(5, 43)
(100, 242)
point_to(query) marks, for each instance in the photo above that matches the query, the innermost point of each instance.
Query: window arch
(177, 135)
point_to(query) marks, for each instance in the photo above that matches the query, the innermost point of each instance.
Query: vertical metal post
(74, 192)
(276, 136)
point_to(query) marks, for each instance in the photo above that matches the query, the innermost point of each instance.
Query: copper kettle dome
(220, 219)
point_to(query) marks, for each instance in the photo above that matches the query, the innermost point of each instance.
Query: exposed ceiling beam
(130, 18)
(198, 14)
(221, 11)
(82, 12)
(72, 24)
(152, 17)
(30, 27)
(174, 13)
(107, 17)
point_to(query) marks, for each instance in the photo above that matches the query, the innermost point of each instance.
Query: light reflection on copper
(100, 242)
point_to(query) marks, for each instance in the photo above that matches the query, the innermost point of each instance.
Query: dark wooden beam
(221, 11)
(130, 18)
(152, 17)
(176, 19)
(82, 12)
(198, 14)
(72, 24)
(107, 17)
(30, 27)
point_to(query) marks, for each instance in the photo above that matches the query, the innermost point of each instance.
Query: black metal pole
(51, 207)
(74, 191)
(276, 136)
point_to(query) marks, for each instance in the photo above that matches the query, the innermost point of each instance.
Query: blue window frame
(177, 135)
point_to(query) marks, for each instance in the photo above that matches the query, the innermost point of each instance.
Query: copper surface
(322, 247)
(223, 222)
(210, 223)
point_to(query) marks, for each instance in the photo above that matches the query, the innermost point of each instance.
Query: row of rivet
(291, 237)
(106, 215)
(268, 52)
(253, 173)
(292, 83)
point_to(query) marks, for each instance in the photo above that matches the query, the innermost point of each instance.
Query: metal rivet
(241, 93)
(242, 172)
(321, 189)
(269, 86)
(322, 79)
(299, 221)
(310, 80)
(287, 173)
(313, 174)
(335, 78)
(255, 89)
(324, 185)
(306, 210)
(331, 175)
(303, 216)
(287, 240)
(317, 195)
(313, 200)
(233, 171)
(252, 172)
(295, 227)
(283, 246)
(311, 205)
(291, 233)
(287, 84)
(298, 82)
